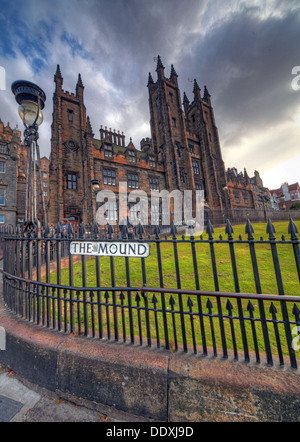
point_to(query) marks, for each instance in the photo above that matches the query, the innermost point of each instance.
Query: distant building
(287, 195)
(245, 192)
(13, 161)
(10, 141)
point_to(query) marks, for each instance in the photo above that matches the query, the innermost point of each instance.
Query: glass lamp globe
(95, 185)
(31, 99)
(28, 112)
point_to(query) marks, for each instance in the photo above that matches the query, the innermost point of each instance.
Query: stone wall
(240, 216)
(153, 384)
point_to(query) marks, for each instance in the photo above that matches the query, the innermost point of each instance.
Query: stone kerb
(152, 384)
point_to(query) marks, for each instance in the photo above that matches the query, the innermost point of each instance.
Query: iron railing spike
(292, 230)
(209, 304)
(250, 306)
(229, 228)
(190, 302)
(173, 230)
(141, 230)
(273, 309)
(229, 306)
(249, 229)
(296, 310)
(270, 229)
(209, 229)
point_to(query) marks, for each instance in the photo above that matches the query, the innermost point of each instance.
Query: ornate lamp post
(31, 99)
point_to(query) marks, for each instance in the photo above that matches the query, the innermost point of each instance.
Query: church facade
(183, 153)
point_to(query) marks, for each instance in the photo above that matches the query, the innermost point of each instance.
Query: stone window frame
(154, 183)
(72, 181)
(245, 197)
(133, 178)
(236, 195)
(196, 166)
(70, 115)
(106, 176)
(2, 195)
(4, 168)
(152, 161)
(3, 148)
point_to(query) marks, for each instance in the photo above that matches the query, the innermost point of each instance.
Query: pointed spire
(79, 88)
(58, 73)
(185, 98)
(196, 90)
(206, 95)
(160, 68)
(79, 82)
(159, 64)
(173, 75)
(186, 102)
(58, 78)
(89, 129)
(150, 79)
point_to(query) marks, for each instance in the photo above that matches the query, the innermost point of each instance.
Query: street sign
(101, 248)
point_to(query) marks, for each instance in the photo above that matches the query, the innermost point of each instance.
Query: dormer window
(108, 152)
(132, 157)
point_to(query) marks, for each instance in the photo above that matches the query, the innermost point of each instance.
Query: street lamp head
(31, 99)
(95, 185)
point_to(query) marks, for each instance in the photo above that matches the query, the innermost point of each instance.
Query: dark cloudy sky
(244, 51)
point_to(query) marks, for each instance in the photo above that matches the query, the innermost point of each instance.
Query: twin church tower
(183, 151)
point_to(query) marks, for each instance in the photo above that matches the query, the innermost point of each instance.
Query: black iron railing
(41, 284)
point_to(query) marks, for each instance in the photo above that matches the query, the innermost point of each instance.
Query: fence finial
(271, 229)
(173, 230)
(124, 231)
(156, 231)
(140, 230)
(293, 230)
(81, 230)
(70, 229)
(110, 231)
(58, 229)
(47, 231)
(209, 229)
(249, 229)
(229, 229)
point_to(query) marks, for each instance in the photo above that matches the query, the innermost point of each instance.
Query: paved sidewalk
(19, 403)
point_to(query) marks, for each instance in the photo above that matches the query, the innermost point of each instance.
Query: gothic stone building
(12, 183)
(183, 153)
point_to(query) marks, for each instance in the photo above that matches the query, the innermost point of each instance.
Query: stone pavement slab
(19, 403)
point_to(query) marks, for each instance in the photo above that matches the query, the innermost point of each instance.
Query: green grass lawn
(186, 279)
